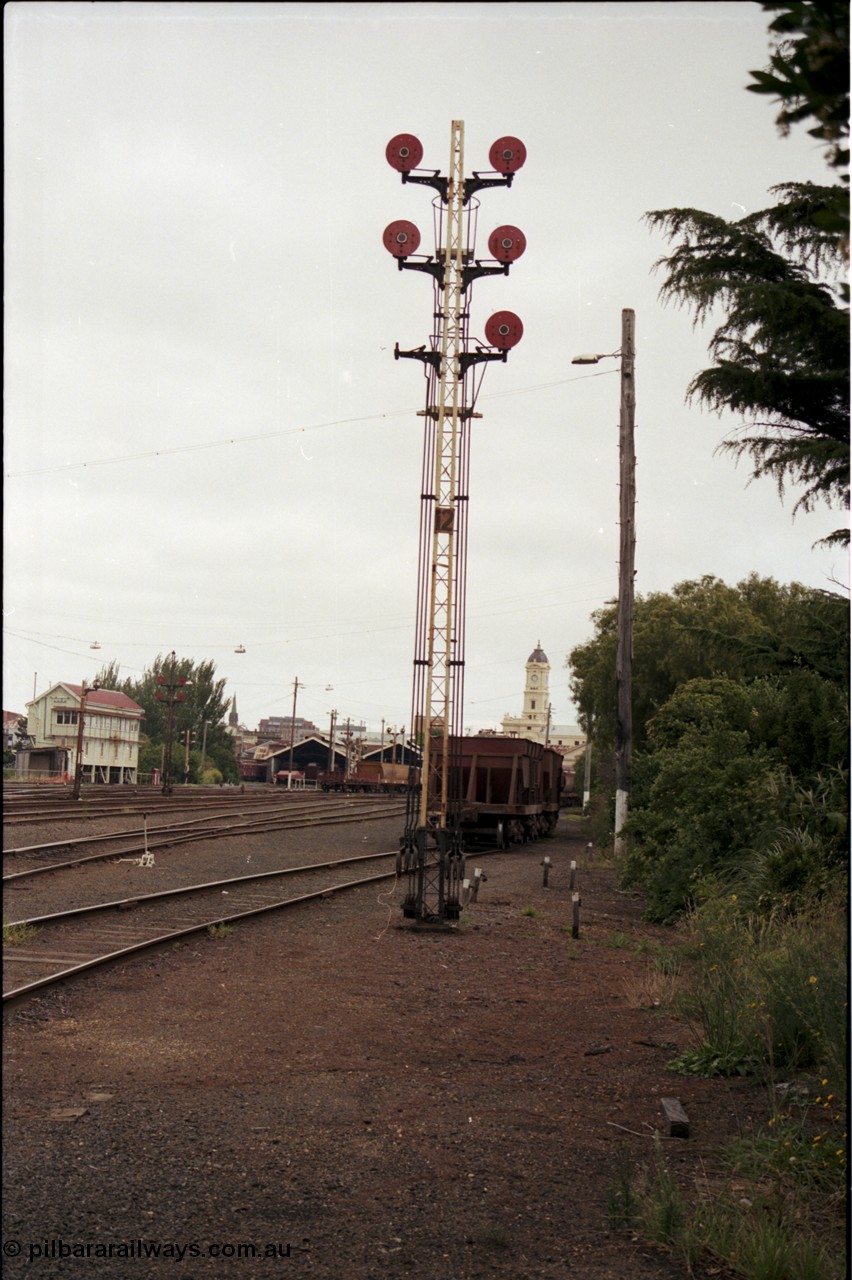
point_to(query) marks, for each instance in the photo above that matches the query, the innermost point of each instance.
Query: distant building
(11, 720)
(110, 748)
(279, 728)
(535, 720)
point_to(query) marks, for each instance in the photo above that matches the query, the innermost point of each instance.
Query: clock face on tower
(533, 679)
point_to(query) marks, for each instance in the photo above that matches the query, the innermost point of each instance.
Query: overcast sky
(208, 443)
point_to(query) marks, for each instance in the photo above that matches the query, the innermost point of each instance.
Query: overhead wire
(200, 445)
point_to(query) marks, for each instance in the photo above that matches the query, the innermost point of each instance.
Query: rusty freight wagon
(368, 775)
(508, 789)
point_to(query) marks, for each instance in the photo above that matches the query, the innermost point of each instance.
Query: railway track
(28, 808)
(217, 825)
(48, 949)
(51, 946)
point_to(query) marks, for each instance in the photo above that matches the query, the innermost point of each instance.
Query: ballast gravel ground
(330, 1093)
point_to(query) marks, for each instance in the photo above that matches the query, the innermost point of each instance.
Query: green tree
(203, 699)
(781, 352)
(109, 676)
(778, 276)
(808, 73)
(22, 735)
(705, 628)
(699, 802)
(220, 754)
(726, 791)
(741, 703)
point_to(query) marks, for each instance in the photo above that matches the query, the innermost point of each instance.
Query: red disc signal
(506, 244)
(507, 155)
(404, 152)
(401, 238)
(504, 330)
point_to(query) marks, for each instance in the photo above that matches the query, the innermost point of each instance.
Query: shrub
(767, 994)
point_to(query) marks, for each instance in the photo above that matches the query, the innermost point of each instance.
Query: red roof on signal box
(107, 699)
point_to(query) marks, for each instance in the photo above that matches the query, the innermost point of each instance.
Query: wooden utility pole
(331, 760)
(78, 761)
(296, 688)
(204, 749)
(626, 571)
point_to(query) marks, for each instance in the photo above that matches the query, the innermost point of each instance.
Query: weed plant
(663, 1214)
(621, 1198)
(767, 995)
(758, 1227)
(18, 935)
(220, 930)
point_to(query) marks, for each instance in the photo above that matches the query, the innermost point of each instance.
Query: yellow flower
(811, 979)
(733, 897)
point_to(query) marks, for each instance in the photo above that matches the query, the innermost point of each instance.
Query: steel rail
(18, 993)
(50, 811)
(148, 944)
(273, 823)
(19, 850)
(139, 899)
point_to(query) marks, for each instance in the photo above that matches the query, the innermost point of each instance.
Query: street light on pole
(626, 570)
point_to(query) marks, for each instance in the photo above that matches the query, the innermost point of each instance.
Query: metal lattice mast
(442, 660)
(431, 855)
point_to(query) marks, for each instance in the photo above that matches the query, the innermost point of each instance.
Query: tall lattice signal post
(431, 853)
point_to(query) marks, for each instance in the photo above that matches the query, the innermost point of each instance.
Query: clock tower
(536, 694)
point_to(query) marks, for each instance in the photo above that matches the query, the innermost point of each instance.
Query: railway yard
(323, 1090)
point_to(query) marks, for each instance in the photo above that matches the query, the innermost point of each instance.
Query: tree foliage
(778, 278)
(705, 628)
(781, 351)
(698, 789)
(203, 701)
(740, 718)
(726, 789)
(808, 72)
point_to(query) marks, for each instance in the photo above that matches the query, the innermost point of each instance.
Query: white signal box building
(111, 729)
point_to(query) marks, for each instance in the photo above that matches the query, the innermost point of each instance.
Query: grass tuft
(18, 935)
(219, 930)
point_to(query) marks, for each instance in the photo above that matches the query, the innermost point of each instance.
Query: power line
(33, 637)
(272, 435)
